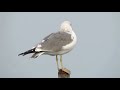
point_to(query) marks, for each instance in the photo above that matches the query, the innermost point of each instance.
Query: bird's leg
(57, 62)
(61, 61)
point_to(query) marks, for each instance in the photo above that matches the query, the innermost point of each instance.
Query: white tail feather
(35, 55)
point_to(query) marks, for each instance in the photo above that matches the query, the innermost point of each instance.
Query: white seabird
(55, 44)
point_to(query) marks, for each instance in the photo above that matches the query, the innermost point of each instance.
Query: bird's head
(66, 26)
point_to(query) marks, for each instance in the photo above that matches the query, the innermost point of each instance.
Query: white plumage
(57, 43)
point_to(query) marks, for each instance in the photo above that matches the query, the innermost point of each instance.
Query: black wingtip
(27, 52)
(21, 54)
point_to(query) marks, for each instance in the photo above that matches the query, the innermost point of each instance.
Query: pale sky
(96, 54)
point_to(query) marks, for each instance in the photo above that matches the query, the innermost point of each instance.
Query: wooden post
(63, 73)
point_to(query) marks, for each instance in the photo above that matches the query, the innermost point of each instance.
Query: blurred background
(96, 54)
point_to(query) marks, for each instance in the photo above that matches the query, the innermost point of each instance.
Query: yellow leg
(61, 61)
(57, 62)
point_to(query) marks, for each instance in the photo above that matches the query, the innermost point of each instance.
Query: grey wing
(47, 37)
(38, 46)
(55, 41)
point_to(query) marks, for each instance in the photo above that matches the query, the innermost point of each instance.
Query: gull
(57, 43)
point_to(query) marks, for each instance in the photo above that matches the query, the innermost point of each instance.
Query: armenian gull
(55, 44)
